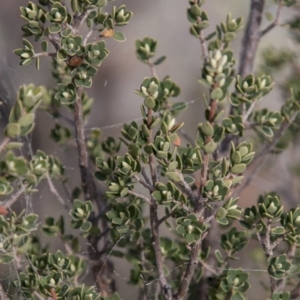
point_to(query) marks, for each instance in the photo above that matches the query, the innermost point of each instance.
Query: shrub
(115, 218)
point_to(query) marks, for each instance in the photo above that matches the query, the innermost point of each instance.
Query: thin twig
(275, 22)
(208, 267)
(147, 179)
(145, 184)
(89, 34)
(249, 111)
(202, 40)
(147, 200)
(208, 219)
(277, 242)
(15, 197)
(79, 19)
(257, 161)
(5, 141)
(186, 188)
(52, 54)
(183, 206)
(54, 191)
(267, 247)
(153, 70)
(203, 45)
(163, 219)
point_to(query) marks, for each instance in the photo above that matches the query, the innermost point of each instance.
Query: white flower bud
(263, 83)
(213, 63)
(144, 91)
(223, 60)
(25, 55)
(155, 94)
(219, 69)
(216, 190)
(218, 55)
(273, 120)
(209, 79)
(121, 13)
(190, 228)
(66, 94)
(222, 82)
(171, 124)
(147, 48)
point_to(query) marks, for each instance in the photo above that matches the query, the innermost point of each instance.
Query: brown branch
(104, 280)
(163, 219)
(15, 197)
(154, 223)
(86, 180)
(275, 22)
(251, 37)
(147, 200)
(185, 282)
(165, 287)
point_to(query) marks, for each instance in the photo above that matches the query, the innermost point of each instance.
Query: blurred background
(115, 101)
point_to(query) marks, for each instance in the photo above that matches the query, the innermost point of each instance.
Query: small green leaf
(159, 60)
(13, 145)
(149, 102)
(189, 238)
(267, 131)
(269, 16)
(278, 230)
(172, 166)
(219, 256)
(44, 46)
(119, 36)
(210, 147)
(173, 176)
(216, 94)
(237, 169)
